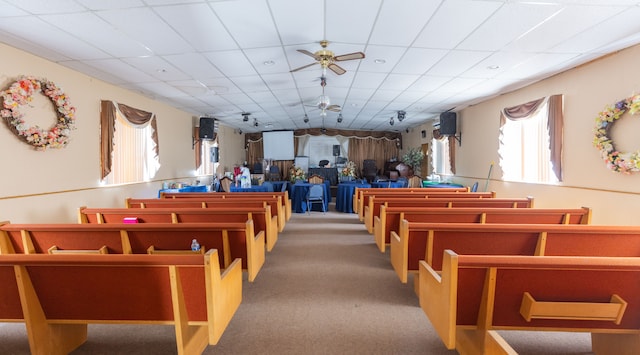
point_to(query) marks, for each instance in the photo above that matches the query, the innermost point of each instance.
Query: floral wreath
(21, 93)
(619, 162)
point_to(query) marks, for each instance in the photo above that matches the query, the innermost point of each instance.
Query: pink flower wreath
(21, 93)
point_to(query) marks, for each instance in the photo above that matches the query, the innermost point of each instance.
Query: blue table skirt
(299, 196)
(439, 184)
(393, 184)
(253, 188)
(344, 195)
(198, 188)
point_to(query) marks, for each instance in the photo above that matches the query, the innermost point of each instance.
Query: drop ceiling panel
(195, 65)
(198, 25)
(248, 22)
(400, 22)
(351, 21)
(306, 25)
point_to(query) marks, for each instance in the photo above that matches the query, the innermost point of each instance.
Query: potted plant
(413, 158)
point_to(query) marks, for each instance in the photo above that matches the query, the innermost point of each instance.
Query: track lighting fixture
(239, 131)
(255, 122)
(340, 117)
(391, 121)
(245, 117)
(401, 115)
(306, 118)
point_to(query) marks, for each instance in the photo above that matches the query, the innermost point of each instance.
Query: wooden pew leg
(45, 338)
(619, 344)
(190, 339)
(481, 342)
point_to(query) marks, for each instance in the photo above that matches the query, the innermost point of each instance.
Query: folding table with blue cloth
(344, 195)
(299, 197)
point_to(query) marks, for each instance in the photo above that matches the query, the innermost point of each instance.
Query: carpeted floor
(324, 289)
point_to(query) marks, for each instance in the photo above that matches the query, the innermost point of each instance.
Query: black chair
(323, 163)
(274, 173)
(369, 170)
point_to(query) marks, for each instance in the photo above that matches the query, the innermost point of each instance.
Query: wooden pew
(427, 241)
(373, 208)
(361, 194)
(390, 217)
(286, 200)
(62, 294)
(275, 203)
(475, 295)
(233, 240)
(261, 216)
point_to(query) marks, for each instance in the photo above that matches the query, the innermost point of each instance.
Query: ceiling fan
(323, 103)
(327, 59)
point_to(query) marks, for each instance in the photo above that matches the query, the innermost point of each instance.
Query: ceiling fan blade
(334, 108)
(303, 67)
(350, 56)
(336, 69)
(312, 55)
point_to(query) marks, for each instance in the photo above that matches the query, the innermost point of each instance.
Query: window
(530, 142)
(133, 156)
(441, 162)
(208, 158)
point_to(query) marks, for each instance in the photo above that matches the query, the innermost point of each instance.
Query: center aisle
(326, 289)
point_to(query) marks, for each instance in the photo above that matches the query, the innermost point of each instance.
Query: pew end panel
(474, 295)
(62, 294)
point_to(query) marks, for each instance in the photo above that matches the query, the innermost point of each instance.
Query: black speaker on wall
(207, 128)
(215, 154)
(448, 123)
(336, 150)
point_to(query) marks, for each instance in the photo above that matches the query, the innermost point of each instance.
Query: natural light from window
(524, 150)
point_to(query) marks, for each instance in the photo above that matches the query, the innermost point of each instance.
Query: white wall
(613, 197)
(49, 186)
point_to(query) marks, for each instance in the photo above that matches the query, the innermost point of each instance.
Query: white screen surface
(278, 145)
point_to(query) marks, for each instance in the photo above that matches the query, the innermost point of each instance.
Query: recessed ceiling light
(269, 63)
(379, 61)
(493, 67)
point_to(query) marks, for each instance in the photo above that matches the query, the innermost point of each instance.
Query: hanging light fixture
(340, 117)
(401, 115)
(391, 121)
(306, 118)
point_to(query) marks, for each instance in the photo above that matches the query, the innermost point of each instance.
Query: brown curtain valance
(522, 111)
(107, 129)
(393, 136)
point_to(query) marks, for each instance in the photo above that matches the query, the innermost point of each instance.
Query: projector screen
(278, 145)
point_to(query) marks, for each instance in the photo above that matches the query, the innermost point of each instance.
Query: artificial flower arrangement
(349, 170)
(296, 173)
(627, 162)
(21, 93)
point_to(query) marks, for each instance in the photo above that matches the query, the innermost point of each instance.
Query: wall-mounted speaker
(336, 150)
(208, 128)
(215, 154)
(447, 124)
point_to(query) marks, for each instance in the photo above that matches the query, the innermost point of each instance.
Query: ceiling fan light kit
(327, 59)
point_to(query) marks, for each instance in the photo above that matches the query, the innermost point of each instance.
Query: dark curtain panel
(197, 147)
(107, 128)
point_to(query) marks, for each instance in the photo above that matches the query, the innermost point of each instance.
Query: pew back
(373, 209)
(261, 217)
(234, 240)
(361, 194)
(390, 217)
